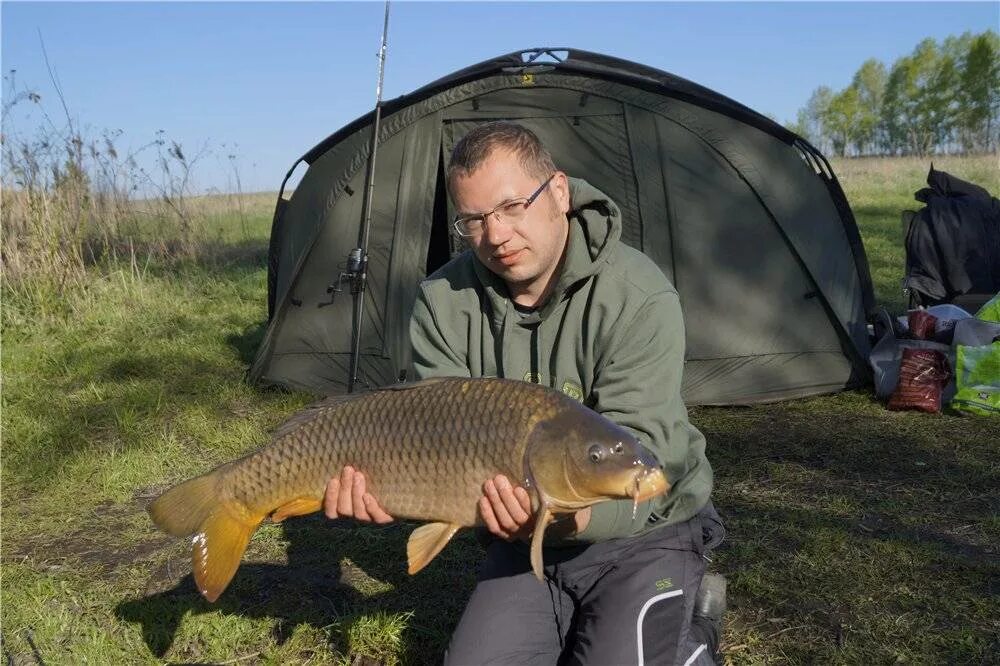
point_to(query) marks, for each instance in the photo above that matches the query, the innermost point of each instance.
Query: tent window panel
(596, 150)
(825, 238)
(414, 224)
(647, 151)
(324, 321)
(743, 289)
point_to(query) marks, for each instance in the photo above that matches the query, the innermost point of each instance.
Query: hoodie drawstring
(533, 354)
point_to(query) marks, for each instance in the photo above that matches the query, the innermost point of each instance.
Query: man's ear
(560, 191)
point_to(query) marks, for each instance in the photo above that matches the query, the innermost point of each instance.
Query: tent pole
(357, 260)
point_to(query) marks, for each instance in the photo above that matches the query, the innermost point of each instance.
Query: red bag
(922, 325)
(923, 374)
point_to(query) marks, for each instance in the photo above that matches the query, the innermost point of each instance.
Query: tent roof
(570, 61)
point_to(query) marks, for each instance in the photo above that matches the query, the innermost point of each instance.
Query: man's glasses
(511, 211)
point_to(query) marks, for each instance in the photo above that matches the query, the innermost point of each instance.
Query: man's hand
(346, 498)
(506, 509)
(506, 512)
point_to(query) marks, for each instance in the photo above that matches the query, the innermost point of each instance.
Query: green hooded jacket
(611, 335)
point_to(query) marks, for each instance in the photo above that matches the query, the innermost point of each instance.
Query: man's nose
(497, 231)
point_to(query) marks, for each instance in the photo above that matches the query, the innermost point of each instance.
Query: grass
(856, 535)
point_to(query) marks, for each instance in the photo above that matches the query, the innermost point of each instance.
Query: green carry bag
(990, 310)
(977, 379)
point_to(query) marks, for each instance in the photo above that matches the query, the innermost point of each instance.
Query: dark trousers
(624, 601)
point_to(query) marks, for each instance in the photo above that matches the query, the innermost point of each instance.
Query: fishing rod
(357, 260)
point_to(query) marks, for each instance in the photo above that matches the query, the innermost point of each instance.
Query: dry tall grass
(901, 173)
(71, 206)
(72, 203)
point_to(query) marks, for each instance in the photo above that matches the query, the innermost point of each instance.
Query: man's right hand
(346, 497)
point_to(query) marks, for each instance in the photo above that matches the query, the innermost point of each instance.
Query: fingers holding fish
(330, 498)
(505, 509)
(375, 510)
(492, 522)
(358, 497)
(346, 497)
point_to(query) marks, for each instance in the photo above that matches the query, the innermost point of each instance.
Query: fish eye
(596, 453)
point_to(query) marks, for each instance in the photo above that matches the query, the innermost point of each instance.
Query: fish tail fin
(181, 510)
(219, 546)
(221, 529)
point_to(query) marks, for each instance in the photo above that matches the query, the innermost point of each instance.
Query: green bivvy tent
(745, 218)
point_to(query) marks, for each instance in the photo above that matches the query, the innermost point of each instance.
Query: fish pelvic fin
(217, 548)
(537, 537)
(300, 506)
(426, 542)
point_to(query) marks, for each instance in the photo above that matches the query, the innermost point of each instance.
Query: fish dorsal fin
(310, 412)
(420, 383)
(426, 542)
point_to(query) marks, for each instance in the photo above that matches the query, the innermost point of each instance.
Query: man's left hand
(506, 512)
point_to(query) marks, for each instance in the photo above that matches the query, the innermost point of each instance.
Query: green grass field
(856, 535)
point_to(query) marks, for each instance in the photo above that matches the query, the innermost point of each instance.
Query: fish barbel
(425, 449)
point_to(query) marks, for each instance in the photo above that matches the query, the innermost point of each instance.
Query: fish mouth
(646, 484)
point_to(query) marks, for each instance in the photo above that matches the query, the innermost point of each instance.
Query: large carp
(425, 449)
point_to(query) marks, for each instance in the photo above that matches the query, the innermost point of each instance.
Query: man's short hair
(476, 146)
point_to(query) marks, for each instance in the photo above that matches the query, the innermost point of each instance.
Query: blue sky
(267, 81)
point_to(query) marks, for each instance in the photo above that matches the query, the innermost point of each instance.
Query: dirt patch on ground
(98, 542)
(112, 537)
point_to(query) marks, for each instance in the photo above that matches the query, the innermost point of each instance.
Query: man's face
(524, 254)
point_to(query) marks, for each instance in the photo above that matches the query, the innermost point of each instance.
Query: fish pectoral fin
(218, 546)
(300, 506)
(426, 542)
(543, 520)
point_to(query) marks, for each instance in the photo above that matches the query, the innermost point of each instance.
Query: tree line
(941, 98)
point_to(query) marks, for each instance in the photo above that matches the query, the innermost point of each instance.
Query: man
(549, 294)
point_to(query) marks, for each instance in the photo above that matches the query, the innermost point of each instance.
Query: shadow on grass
(852, 442)
(111, 392)
(316, 589)
(126, 391)
(248, 342)
(845, 583)
(842, 525)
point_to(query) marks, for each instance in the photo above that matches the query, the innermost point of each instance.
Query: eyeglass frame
(456, 224)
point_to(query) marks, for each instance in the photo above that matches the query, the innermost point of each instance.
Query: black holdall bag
(952, 244)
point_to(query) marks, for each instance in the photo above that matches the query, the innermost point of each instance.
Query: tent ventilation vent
(538, 60)
(533, 56)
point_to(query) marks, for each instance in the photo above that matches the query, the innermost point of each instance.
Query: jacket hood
(595, 225)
